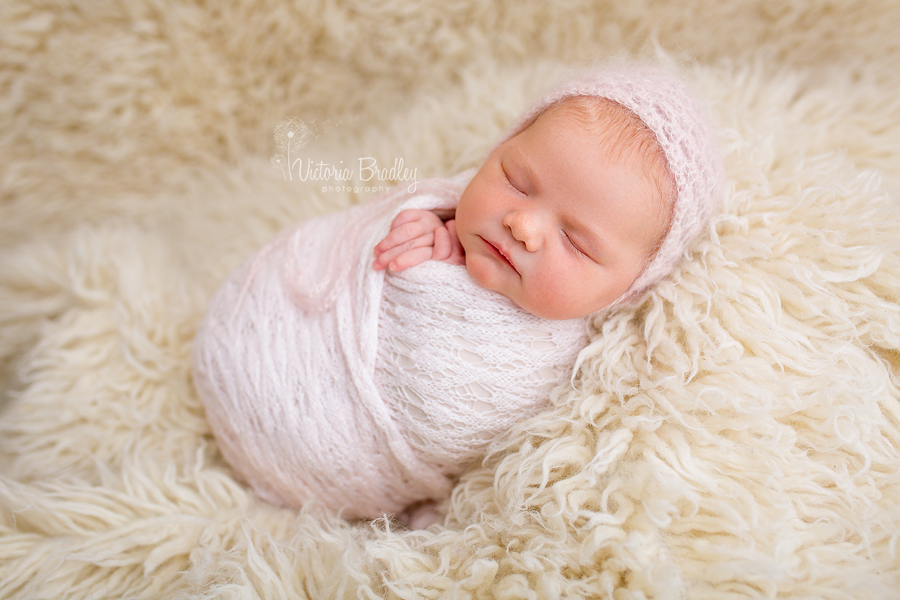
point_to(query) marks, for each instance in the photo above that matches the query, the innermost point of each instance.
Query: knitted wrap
(669, 109)
(367, 391)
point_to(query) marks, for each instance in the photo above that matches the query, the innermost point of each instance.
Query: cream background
(737, 435)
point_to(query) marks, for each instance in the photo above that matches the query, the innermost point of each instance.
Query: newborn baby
(371, 387)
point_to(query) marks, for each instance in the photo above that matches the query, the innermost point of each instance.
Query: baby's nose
(525, 228)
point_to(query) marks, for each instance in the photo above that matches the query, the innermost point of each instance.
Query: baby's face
(560, 220)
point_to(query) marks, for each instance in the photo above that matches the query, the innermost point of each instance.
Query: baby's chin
(554, 314)
(557, 311)
(550, 311)
(484, 279)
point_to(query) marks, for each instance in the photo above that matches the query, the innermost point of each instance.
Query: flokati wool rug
(737, 435)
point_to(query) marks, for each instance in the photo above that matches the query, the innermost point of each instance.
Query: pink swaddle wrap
(324, 379)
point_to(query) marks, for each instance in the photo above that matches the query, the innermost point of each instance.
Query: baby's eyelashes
(578, 249)
(510, 181)
(573, 244)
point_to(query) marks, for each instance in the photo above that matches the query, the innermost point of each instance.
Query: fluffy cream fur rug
(736, 436)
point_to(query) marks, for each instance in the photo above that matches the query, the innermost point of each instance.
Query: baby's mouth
(500, 254)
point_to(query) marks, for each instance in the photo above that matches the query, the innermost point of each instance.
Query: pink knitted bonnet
(669, 109)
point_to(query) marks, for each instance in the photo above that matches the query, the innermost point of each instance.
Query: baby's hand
(417, 236)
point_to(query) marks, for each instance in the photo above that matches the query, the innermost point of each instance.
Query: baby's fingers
(385, 257)
(405, 260)
(457, 253)
(391, 247)
(442, 244)
(446, 245)
(409, 242)
(408, 234)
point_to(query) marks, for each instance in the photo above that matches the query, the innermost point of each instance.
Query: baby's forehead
(618, 132)
(612, 126)
(599, 115)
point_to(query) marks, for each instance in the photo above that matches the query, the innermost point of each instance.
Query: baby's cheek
(484, 272)
(542, 302)
(476, 267)
(560, 294)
